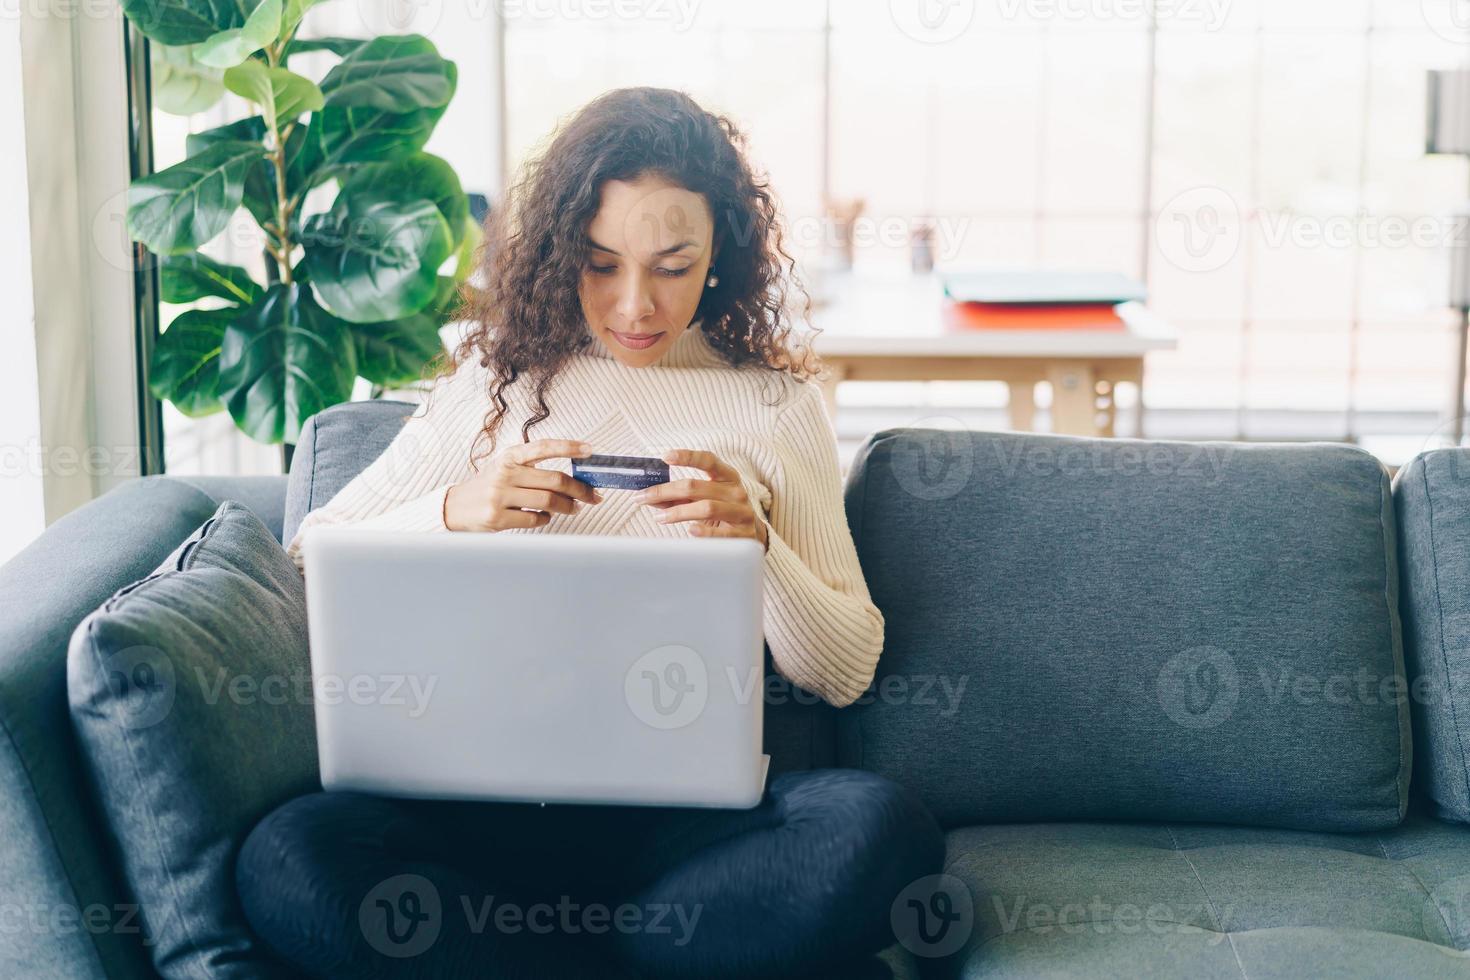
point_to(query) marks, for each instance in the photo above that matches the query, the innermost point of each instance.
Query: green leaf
(179, 209)
(183, 21)
(184, 368)
(421, 177)
(282, 361)
(294, 11)
(228, 48)
(282, 94)
(260, 182)
(395, 353)
(340, 46)
(190, 277)
(365, 134)
(393, 74)
(373, 258)
(180, 86)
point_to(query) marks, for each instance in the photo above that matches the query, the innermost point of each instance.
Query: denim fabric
(1433, 497)
(190, 695)
(1087, 629)
(802, 885)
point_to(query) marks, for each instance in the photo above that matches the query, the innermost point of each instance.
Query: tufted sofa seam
(1210, 901)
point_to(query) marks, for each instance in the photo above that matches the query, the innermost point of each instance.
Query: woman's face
(648, 260)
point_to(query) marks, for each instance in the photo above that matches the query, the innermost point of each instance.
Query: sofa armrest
(55, 855)
(265, 496)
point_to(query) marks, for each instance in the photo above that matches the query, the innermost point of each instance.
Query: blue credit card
(620, 472)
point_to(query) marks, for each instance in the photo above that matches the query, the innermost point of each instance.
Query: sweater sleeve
(823, 629)
(404, 488)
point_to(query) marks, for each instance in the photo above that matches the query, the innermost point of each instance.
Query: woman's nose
(635, 301)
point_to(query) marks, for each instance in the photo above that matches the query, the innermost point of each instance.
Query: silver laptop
(539, 668)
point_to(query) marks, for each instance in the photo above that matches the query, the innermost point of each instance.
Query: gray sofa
(1149, 689)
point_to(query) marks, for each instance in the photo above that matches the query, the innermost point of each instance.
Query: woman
(635, 304)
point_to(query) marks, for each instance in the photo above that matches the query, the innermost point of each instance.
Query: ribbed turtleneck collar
(691, 349)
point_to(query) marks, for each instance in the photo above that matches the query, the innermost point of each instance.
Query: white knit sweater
(823, 629)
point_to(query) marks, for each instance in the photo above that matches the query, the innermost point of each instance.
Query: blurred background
(1254, 178)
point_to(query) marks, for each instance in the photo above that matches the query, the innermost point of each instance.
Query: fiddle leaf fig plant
(358, 290)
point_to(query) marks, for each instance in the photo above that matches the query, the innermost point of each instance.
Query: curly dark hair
(528, 318)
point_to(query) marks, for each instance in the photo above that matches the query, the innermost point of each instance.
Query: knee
(885, 832)
(311, 836)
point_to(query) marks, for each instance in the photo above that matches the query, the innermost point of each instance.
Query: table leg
(1073, 394)
(1023, 405)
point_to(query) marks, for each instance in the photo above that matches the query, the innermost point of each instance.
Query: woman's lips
(637, 341)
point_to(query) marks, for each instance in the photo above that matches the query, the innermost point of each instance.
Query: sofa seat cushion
(1087, 900)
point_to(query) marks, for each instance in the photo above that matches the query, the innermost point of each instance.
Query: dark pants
(348, 885)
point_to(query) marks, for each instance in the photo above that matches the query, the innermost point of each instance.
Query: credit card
(620, 472)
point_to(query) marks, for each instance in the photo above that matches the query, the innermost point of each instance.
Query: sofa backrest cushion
(1085, 629)
(190, 693)
(336, 444)
(1432, 494)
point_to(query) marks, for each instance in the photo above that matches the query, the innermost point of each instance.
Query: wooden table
(892, 329)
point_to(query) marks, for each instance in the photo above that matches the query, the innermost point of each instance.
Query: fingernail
(597, 496)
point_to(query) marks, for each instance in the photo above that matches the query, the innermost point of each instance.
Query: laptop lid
(542, 668)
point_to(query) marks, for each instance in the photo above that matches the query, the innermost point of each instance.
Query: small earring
(712, 281)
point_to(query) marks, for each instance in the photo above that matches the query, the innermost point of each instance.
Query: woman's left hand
(720, 504)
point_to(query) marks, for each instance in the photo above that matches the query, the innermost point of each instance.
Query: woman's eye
(600, 270)
(673, 273)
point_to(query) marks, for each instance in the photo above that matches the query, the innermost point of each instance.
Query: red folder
(1032, 316)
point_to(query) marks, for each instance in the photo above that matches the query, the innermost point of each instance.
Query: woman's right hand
(493, 498)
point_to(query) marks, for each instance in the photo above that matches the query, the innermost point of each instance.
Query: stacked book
(1038, 300)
